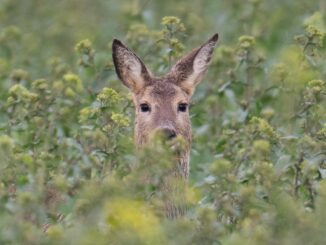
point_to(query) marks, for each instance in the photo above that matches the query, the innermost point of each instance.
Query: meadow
(69, 171)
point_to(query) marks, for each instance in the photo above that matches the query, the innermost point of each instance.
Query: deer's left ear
(190, 69)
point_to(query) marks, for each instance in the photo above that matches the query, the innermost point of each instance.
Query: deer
(162, 102)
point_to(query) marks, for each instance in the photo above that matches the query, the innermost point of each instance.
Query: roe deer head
(161, 103)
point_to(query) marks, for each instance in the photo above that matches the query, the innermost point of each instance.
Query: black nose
(169, 133)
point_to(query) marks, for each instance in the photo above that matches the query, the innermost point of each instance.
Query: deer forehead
(162, 93)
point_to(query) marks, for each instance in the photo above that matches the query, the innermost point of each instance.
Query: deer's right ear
(129, 68)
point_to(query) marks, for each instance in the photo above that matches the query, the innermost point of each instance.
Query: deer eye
(182, 107)
(144, 107)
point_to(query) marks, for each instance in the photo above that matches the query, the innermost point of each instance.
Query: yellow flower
(73, 81)
(40, 84)
(261, 147)
(264, 128)
(133, 216)
(316, 20)
(84, 46)
(20, 92)
(18, 75)
(84, 114)
(246, 41)
(69, 92)
(55, 231)
(313, 83)
(108, 96)
(170, 20)
(120, 119)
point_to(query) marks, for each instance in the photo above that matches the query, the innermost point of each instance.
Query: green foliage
(69, 173)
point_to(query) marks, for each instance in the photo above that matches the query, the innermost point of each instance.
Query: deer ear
(190, 69)
(129, 68)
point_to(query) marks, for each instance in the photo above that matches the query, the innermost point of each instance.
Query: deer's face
(161, 103)
(162, 107)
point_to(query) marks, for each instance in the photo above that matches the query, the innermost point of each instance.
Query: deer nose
(169, 133)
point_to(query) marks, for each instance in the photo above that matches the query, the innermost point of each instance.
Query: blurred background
(68, 170)
(48, 28)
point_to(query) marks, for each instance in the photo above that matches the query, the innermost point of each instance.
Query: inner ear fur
(190, 69)
(129, 67)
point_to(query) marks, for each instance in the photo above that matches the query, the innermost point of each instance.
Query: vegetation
(69, 173)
